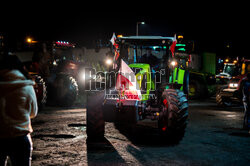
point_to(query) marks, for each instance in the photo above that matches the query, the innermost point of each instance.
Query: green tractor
(201, 67)
(202, 84)
(141, 86)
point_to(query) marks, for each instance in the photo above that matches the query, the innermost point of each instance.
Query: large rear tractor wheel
(196, 90)
(95, 121)
(174, 118)
(64, 90)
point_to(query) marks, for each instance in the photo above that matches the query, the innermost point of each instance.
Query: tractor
(230, 69)
(200, 67)
(232, 92)
(137, 89)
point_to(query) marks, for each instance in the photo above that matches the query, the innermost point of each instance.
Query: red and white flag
(113, 39)
(172, 47)
(127, 83)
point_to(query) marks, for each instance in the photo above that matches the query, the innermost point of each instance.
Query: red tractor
(232, 92)
(55, 84)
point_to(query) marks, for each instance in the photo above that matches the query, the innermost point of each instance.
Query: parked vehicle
(232, 92)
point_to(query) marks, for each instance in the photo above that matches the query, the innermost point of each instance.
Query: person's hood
(13, 79)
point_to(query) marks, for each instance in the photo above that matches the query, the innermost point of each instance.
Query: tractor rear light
(164, 128)
(165, 102)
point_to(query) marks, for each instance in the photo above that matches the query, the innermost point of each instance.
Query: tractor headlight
(109, 62)
(233, 85)
(173, 63)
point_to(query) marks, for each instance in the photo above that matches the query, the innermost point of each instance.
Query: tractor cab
(152, 50)
(230, 69)
(133, 48)
(148, 57)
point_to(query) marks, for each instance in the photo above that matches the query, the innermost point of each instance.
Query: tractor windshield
(152, 55)
(232, 70)
(152, 50)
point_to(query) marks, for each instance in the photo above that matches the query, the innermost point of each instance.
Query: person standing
(18, 105)
(246, 102)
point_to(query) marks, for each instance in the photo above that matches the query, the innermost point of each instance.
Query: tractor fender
(181, 76)
(186, 82)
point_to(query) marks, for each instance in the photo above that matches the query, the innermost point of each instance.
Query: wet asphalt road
(214, 136)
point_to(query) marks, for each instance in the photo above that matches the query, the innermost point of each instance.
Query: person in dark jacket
(18, 105)
(246, 102)
(149, 58)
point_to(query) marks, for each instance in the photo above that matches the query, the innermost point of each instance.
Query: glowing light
(180, 37)
(164, 128)
(181, 49)
(54, 63)
(180, 45)
(64, 43)
(173, 63)
(108, 61)
(232, 85)
(29, 40)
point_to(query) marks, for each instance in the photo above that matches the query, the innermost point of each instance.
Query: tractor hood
(140, 68)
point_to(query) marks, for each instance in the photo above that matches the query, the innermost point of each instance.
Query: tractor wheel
(64, 90)
(220, 100)
(95, 121)
(174, 118)
(196, 89)
(41, 91)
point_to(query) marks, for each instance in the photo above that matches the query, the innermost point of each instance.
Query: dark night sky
(211, 29)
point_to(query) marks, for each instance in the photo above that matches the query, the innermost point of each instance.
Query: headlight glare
(233, 85)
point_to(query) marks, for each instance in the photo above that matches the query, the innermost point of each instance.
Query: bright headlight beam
(233, 85)
(173, 63)
(108, 61)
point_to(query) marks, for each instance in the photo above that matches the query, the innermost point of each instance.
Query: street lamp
(137, 27)
(29, 40)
